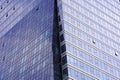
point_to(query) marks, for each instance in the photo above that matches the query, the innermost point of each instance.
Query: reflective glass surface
(26, 50)
(91, 38)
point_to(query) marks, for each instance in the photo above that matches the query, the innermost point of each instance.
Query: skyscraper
(59, 40)
(29, 43)
(91, 39)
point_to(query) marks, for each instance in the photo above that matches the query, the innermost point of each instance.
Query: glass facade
(59, 40)
(91, 45)
(29, 48)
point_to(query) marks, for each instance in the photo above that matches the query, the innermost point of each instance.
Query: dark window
(14, 8)
(63, 48)
(3, 58)
(7, 1)
(59, 18)
(37, 8)
(7, 15)
(1, 7)
(65, 72)
(60, 27)
(61, 38)
(64, 60)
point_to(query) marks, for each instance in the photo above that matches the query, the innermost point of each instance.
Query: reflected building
(59, 40)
